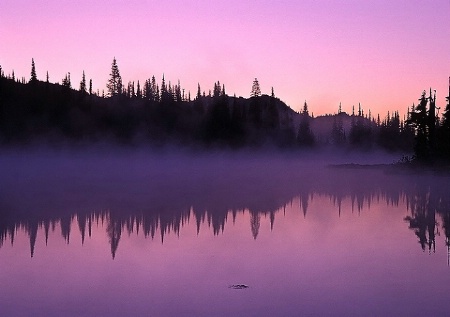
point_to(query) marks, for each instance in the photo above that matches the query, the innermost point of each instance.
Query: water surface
(112, 234)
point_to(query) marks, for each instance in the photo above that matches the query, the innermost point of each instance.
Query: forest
(148, 113)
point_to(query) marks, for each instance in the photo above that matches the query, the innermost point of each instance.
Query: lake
(116, 234)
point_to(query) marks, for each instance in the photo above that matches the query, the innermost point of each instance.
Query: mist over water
(116, 178)
(166, 232)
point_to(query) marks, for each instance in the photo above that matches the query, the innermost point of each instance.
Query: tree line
(160, 113)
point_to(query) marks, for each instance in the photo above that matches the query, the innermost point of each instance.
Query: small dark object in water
(238, 286)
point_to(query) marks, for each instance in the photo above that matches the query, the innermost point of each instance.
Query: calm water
(163, 235)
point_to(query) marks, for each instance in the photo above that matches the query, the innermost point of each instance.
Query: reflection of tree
(304, 201)
(426, 199)
(255, 222)
(423, 218)
(217, 219)
(446, 227)
(443, 208)
(46, 230)
(114, 230)
(272, 220)
(65, 227)
(82, 226)
(32, 231)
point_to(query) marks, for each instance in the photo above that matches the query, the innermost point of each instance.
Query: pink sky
(380, 53)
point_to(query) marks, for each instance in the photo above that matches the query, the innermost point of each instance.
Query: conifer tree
(177, 92)
(273, 117)
(146, 94)
(66, 81)
(170, 91)
(33, 72)
(446, 115)
(114, 84)
(83, 83)
(305, 136)
(444, 135)
(256, 90)
(90, 86)
(154, 90)
(199, 93)
(138, 90)
(217, 89)
(338, 132)
(163, 91)
(420, 122)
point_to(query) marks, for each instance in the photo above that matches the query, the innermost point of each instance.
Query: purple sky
(380, 53)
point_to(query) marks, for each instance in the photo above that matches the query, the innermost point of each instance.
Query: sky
(381, 53)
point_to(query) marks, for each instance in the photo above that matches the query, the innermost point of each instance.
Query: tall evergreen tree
(360, 135)
(217, 89)
(154, 90)
(138, 90)
(444, 130)
(421, 122)
(199, 92)
(83, 83)
(164, 93)
(338, 132)
(256, 90)
(446, 115)
(432, 123)
(33, 77)
(66, 81)
(114, 84)
(305, 136)
(273, 117)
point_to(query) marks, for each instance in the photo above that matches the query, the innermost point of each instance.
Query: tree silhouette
(165, 92)
(217, 89)
(423, 120)
(66, 81)
(273, 117)
(360, 131)
(443, 139)
(338, 132)
(33, 77)
(154, 89)
(256, 90)
(114, 84)
(199, 92)
(255, 223)
(138, 91)
(389, 132)
(83, 83)
(305, 136)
